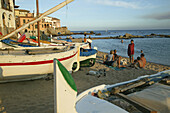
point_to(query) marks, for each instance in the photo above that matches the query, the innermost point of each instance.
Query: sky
(107, 14)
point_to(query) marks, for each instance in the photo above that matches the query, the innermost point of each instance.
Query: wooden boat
(144, 94)
(93, 100)
(87, 57)
(34, 63)
(65, 96)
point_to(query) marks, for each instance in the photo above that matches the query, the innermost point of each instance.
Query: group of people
(140, 62)
(114, 60)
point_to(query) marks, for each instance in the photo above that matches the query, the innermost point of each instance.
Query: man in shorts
(131, 51)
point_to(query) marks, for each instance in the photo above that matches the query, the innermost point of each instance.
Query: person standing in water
(131, 51)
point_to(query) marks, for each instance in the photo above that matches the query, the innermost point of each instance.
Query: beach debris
(97, 73)
(123, 61)
(103, 94)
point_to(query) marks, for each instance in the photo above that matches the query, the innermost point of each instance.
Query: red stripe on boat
(36, 63)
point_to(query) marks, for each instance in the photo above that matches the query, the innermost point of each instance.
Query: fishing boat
(30, 61)
(33, 62)
(147, 94)
(87, 57)
(66, 100)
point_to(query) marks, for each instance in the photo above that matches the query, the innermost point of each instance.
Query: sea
(156, 49)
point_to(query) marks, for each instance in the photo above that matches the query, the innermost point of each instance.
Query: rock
(127, 35)
(120, 36)
(153, 34)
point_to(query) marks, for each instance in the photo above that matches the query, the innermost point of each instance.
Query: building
(24, 16)
(21, 12)
(7, 18)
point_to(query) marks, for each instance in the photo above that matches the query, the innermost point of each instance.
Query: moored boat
(87, 57)
(97, 99)
(20, 65)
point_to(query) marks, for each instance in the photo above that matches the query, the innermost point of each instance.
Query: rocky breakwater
(129, 36)
(157, 35)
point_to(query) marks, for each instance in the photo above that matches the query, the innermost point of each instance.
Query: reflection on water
(27, 97)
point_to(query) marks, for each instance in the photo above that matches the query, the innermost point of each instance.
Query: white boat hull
(19, 65)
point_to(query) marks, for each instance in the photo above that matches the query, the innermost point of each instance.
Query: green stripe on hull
(86, 63)
(67, 76)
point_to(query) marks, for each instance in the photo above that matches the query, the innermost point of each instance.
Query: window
(42, 26)
(36, 26)
(47, 25)
(24, 21)
(6, 4)
(29, 26)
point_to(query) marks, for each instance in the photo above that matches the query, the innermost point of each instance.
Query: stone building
(24, 16)
(7, 18)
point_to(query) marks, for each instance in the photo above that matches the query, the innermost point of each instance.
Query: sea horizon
(122, 30)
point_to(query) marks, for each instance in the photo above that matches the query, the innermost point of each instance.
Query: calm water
(113, 33)
(156, 50)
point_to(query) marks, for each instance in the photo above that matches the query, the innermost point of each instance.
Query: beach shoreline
(149, 65)
(37, 96)
(85, 81)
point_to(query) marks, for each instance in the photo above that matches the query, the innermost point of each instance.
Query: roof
(55, 18)
(23, 10)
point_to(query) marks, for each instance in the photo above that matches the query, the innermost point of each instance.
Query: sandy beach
(37, 96)
(85, 81)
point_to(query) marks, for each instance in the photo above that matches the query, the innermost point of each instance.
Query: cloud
(158, 16)
(122, 3)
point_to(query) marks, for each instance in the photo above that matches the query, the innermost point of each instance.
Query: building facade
(24, 16)
(7, 18)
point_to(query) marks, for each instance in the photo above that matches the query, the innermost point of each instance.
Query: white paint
(12, 71)
(64, 95)
(91, 104)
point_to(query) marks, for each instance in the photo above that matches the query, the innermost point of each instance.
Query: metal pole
(38, 23)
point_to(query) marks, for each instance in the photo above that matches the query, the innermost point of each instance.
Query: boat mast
(38, 23)
(50, 11)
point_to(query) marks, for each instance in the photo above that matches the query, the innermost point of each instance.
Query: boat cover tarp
(90, 52)
(91, 104)
(156, 97)
(8, 41)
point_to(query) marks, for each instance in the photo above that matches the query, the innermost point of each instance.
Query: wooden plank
(139, 106)
(44, 52)
(127, 86)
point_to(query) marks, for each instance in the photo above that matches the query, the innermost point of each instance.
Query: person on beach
(143, 59)
(138, 63)
(131, 51)
(85, 40)
(89, 41)
(122, 41)
(141, 51)
(109, 58)
(113, 59)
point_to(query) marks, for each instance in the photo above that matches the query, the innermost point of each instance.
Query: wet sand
(37, 96)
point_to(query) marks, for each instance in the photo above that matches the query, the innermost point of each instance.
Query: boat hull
(20, 65)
